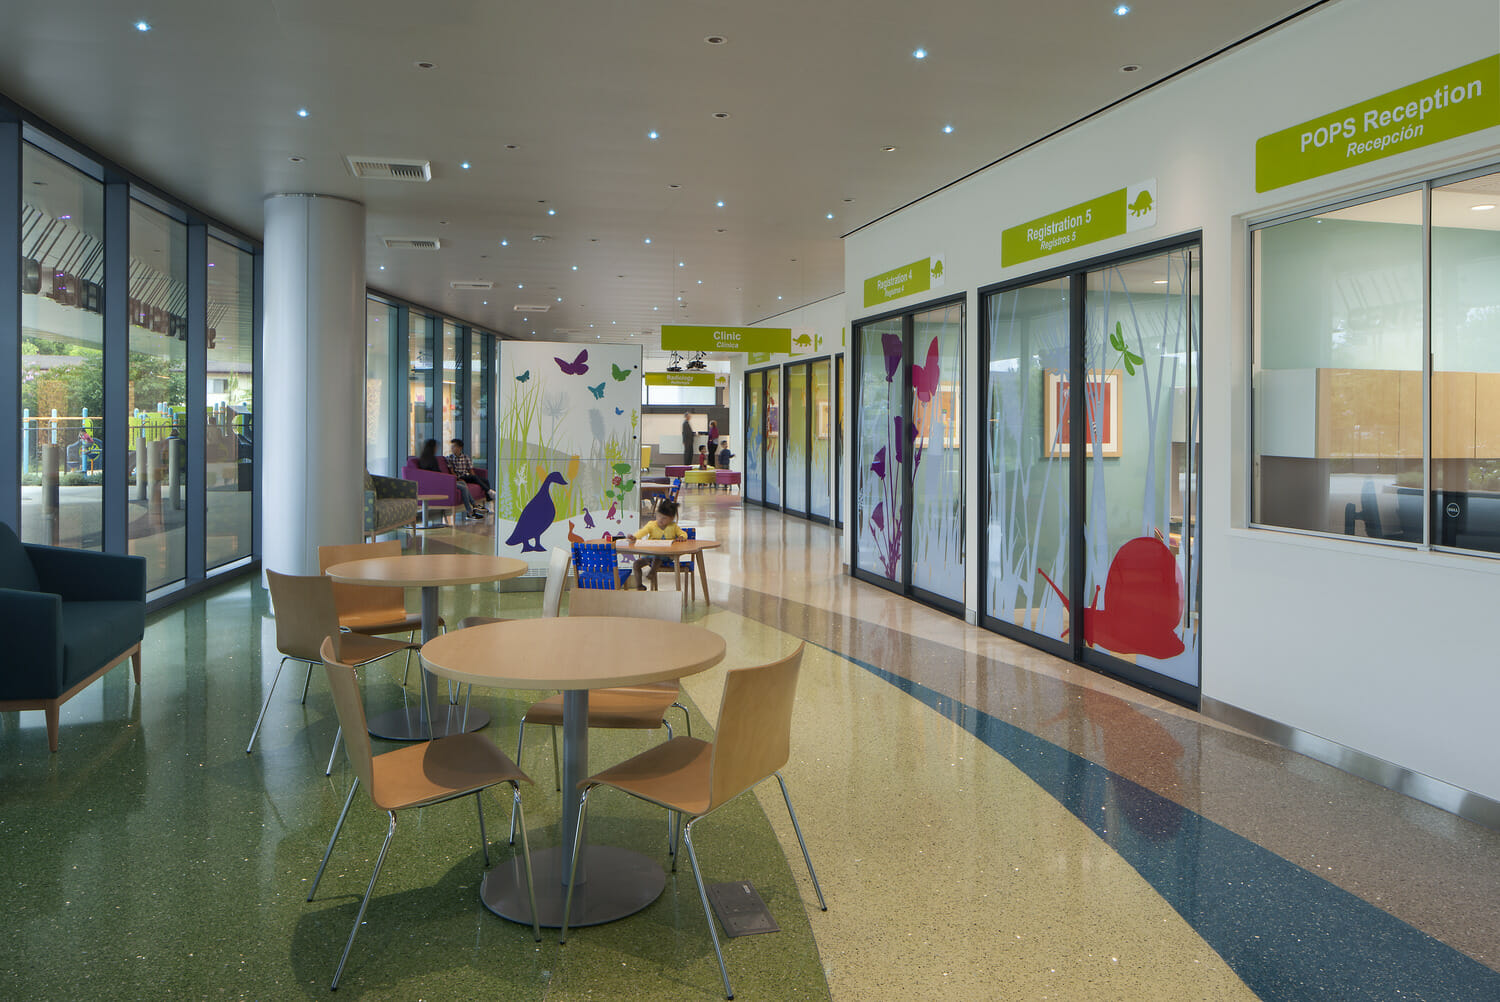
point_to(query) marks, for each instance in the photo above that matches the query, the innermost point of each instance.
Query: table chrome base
(408, 725)
(619, 883)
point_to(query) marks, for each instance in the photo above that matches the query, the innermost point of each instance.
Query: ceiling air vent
(412, 243)
(464, 286)
(532, 309)
(389, 169)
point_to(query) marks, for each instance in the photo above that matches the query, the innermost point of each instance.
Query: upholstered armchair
(389, 503)
(68, 617)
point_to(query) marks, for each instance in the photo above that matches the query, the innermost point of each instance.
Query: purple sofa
(443, 482)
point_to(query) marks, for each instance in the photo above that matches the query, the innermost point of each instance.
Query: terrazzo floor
(988, 822)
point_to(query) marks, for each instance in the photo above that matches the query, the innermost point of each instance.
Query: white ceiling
(551, 103)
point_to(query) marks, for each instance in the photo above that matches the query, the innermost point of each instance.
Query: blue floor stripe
(1286, 932)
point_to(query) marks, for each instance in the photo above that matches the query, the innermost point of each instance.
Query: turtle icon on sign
(1142, 203)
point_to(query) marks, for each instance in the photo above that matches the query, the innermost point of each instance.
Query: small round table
(428, 571)
(574, 653)
(426, 500)
(680, 548)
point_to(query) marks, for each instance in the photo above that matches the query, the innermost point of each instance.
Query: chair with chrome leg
(557, 577)
(691, 777)
(306, 614)
(370, 610)
(417, 775)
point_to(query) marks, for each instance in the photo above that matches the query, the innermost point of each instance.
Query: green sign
(757, 357)
(679, 379)
(907, 280)
(1124, 211)
(686, 337)
(1429, 111)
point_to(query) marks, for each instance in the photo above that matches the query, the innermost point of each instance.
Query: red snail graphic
(1142, 602)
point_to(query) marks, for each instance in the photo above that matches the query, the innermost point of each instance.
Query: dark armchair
(389, 504)
(69, 616)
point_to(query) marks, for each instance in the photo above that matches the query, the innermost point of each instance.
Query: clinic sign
(690, 337)
(1429, 111)
(1122, 211)
(907, 280)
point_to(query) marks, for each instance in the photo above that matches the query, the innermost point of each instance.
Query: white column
(312, 425)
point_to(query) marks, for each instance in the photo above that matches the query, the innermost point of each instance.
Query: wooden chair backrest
(351, 713)
(305, 614)
(557, 577)
(663, 605)
(381, 603)
(754, 734)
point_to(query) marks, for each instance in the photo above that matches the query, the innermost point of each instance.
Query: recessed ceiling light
(551, 212)
(1486, 207)
(828, 215)
(720, 203)
(1159, 281)
(700, 281)
(505, 243)
(716, 39)
(519, 286)
(143, 26)
(679, 299)
(559, 299)
(295, 160)
(1130, 68)
(947, 129)
(465, 165)
(674, 187)
(210, 264)
(719, 230)
(888, 149)
(527, 320)
(1122, 10)
(648, 240)
(301, 112)
(656, 307)
(425, 64)
(382, 267)
(512, 146)
(652, 134)
(486, 302)
(721, 114)
(575, 267)
(919, 54)
(680, 264)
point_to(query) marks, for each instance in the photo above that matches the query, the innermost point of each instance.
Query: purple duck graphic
(588, 519)
(537, 517)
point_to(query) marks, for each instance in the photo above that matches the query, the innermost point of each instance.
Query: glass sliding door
(936, 455)
(380, 336)
(158, 393)
(755, 435)
(477, 400)
(1026, 472)
(771, 464)
(838, 442)
(819, 501)
(229, 446)
(795, 439)
(880, 450)
(421, 389)
(63, 429)
(1140, 527)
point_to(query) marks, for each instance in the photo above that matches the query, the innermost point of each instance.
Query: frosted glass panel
(936, 456)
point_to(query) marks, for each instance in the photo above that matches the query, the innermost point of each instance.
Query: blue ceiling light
(575, 267)
(648, 240)
(947, 130)
(919, 54)
(1122, 10)
(143, 26)
(505, 243)
(828, 215)
(551, 212)
(652, 135)
(465, 165)
(301, 112)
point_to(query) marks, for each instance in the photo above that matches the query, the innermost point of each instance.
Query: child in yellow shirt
(663, 526)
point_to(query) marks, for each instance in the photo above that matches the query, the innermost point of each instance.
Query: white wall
(1385, 650)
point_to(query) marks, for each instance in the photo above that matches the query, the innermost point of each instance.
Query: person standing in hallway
(687, 438)
(713, 441)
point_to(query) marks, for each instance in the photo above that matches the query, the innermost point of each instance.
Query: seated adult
(429, 460)
(462, 467)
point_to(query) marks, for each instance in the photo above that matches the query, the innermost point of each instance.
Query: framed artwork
(1103, 413)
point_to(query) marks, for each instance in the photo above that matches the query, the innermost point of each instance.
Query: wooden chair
(693, 778)
(371, 610)
(635, 707)
(417, 775)
(557, 578)
(306, 614)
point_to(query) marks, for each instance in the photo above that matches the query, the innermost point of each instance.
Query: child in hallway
(663, 526)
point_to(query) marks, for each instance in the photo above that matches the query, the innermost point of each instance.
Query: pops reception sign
(1429, 111)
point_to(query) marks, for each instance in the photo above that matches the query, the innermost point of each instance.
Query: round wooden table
(428, 571)
(680, 548)
(574, 653)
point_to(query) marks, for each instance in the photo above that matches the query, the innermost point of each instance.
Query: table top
(573, 652)
(424, 570)
(655, 488)
(678, 547)
(432, 497)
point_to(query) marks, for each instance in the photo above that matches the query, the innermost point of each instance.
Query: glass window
(157, 309)
(479, 399)
(936, 457)
(380, 331)
(1465, 371)
(452, 373)
(771, 461)
(63, 433)
(1338, 380)
(880, 450)
(796, 439)
(819, 502)
(229, 439)
(419, 350)
(1027, 475)
(755, 405)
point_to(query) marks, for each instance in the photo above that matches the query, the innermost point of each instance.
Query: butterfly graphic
(597, 391)
(924, 378)
(620, 374)
(618, 411)
(577, 367)
(524, 376)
